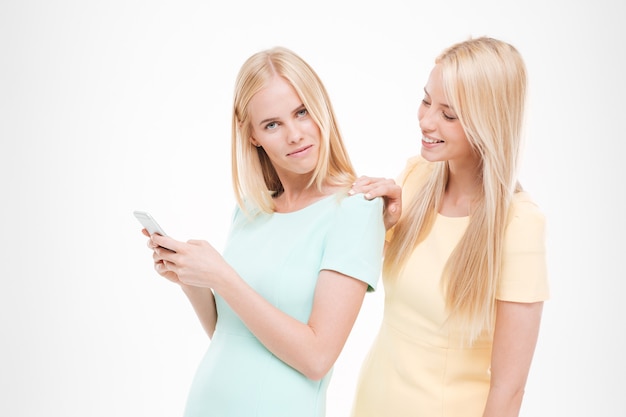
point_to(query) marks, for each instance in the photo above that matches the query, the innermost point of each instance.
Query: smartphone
(148, 222)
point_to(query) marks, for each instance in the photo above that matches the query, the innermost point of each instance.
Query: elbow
(317, 368)
(512, 390)
(316, 374)
(210, 330)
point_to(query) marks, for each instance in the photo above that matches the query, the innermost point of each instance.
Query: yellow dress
(415, 366)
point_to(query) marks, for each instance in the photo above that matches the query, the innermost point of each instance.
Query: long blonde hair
(485, 82)
(255, 180)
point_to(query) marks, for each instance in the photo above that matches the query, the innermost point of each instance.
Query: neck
(462, 191)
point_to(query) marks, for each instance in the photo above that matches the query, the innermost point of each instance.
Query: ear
(254, 142)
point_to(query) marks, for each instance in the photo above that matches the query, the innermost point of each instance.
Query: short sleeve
(354, 246)
(524, 270)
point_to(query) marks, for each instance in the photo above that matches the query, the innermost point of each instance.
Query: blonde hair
(255, 180)
(485, 82)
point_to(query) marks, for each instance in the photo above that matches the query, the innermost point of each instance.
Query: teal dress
(280, 255)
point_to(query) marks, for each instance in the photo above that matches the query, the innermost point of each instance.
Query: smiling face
(283, 127)
(443, 137)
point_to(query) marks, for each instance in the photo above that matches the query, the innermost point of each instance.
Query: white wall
(108, 107)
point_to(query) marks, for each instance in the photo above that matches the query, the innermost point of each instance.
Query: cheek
(313, 129)
(460, 133)
(312, 125)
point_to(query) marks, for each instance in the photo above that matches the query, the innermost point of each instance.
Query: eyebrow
(271, 119)
(443, 104)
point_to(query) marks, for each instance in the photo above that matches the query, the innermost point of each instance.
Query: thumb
(165, 242)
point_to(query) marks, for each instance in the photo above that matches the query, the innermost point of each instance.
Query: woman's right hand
(381, 187)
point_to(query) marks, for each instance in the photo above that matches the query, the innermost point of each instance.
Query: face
(443, 138)
(283, 127)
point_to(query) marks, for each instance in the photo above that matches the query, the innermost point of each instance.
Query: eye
(448, 117)
(302, 112)
(271, 125)
(425, 102)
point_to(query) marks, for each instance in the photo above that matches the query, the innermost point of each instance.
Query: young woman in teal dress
(281, 300)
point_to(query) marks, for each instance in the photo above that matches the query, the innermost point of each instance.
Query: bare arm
(312, 348)
(515, 338)
(203, 303)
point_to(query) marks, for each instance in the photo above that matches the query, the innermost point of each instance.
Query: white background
(111, 106)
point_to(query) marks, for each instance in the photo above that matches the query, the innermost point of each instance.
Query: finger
(392, 207)
(362, 185)
(145, 232)
(376, 191)
(164, 264)
(165, 255)
(363, 181)
(387, 188)
(160, 266)
(156, 258)
(369, 181)
(166, 242)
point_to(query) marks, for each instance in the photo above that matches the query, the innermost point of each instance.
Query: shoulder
(354, 211)
(524, 209)
(416, 165)
(356, 208)
(415, 173)
(359, 202)
(355, 238)
(243, 216)
(526, 222)
(357, 218)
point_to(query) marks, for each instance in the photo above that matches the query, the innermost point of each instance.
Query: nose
(426, 118)
(294, 133)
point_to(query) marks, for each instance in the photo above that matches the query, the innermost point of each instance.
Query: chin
(429, 156)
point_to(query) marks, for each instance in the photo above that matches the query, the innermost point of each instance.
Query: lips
(431, 141)
(300, 150)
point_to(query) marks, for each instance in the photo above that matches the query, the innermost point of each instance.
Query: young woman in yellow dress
(465, 265)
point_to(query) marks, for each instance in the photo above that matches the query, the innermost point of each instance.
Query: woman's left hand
(194, 262)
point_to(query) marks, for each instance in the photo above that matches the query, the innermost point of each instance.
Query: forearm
(311, 348)
(203, 303)
(515, 338)
(290, 340)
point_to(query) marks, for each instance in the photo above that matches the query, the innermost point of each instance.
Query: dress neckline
(316, 202)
